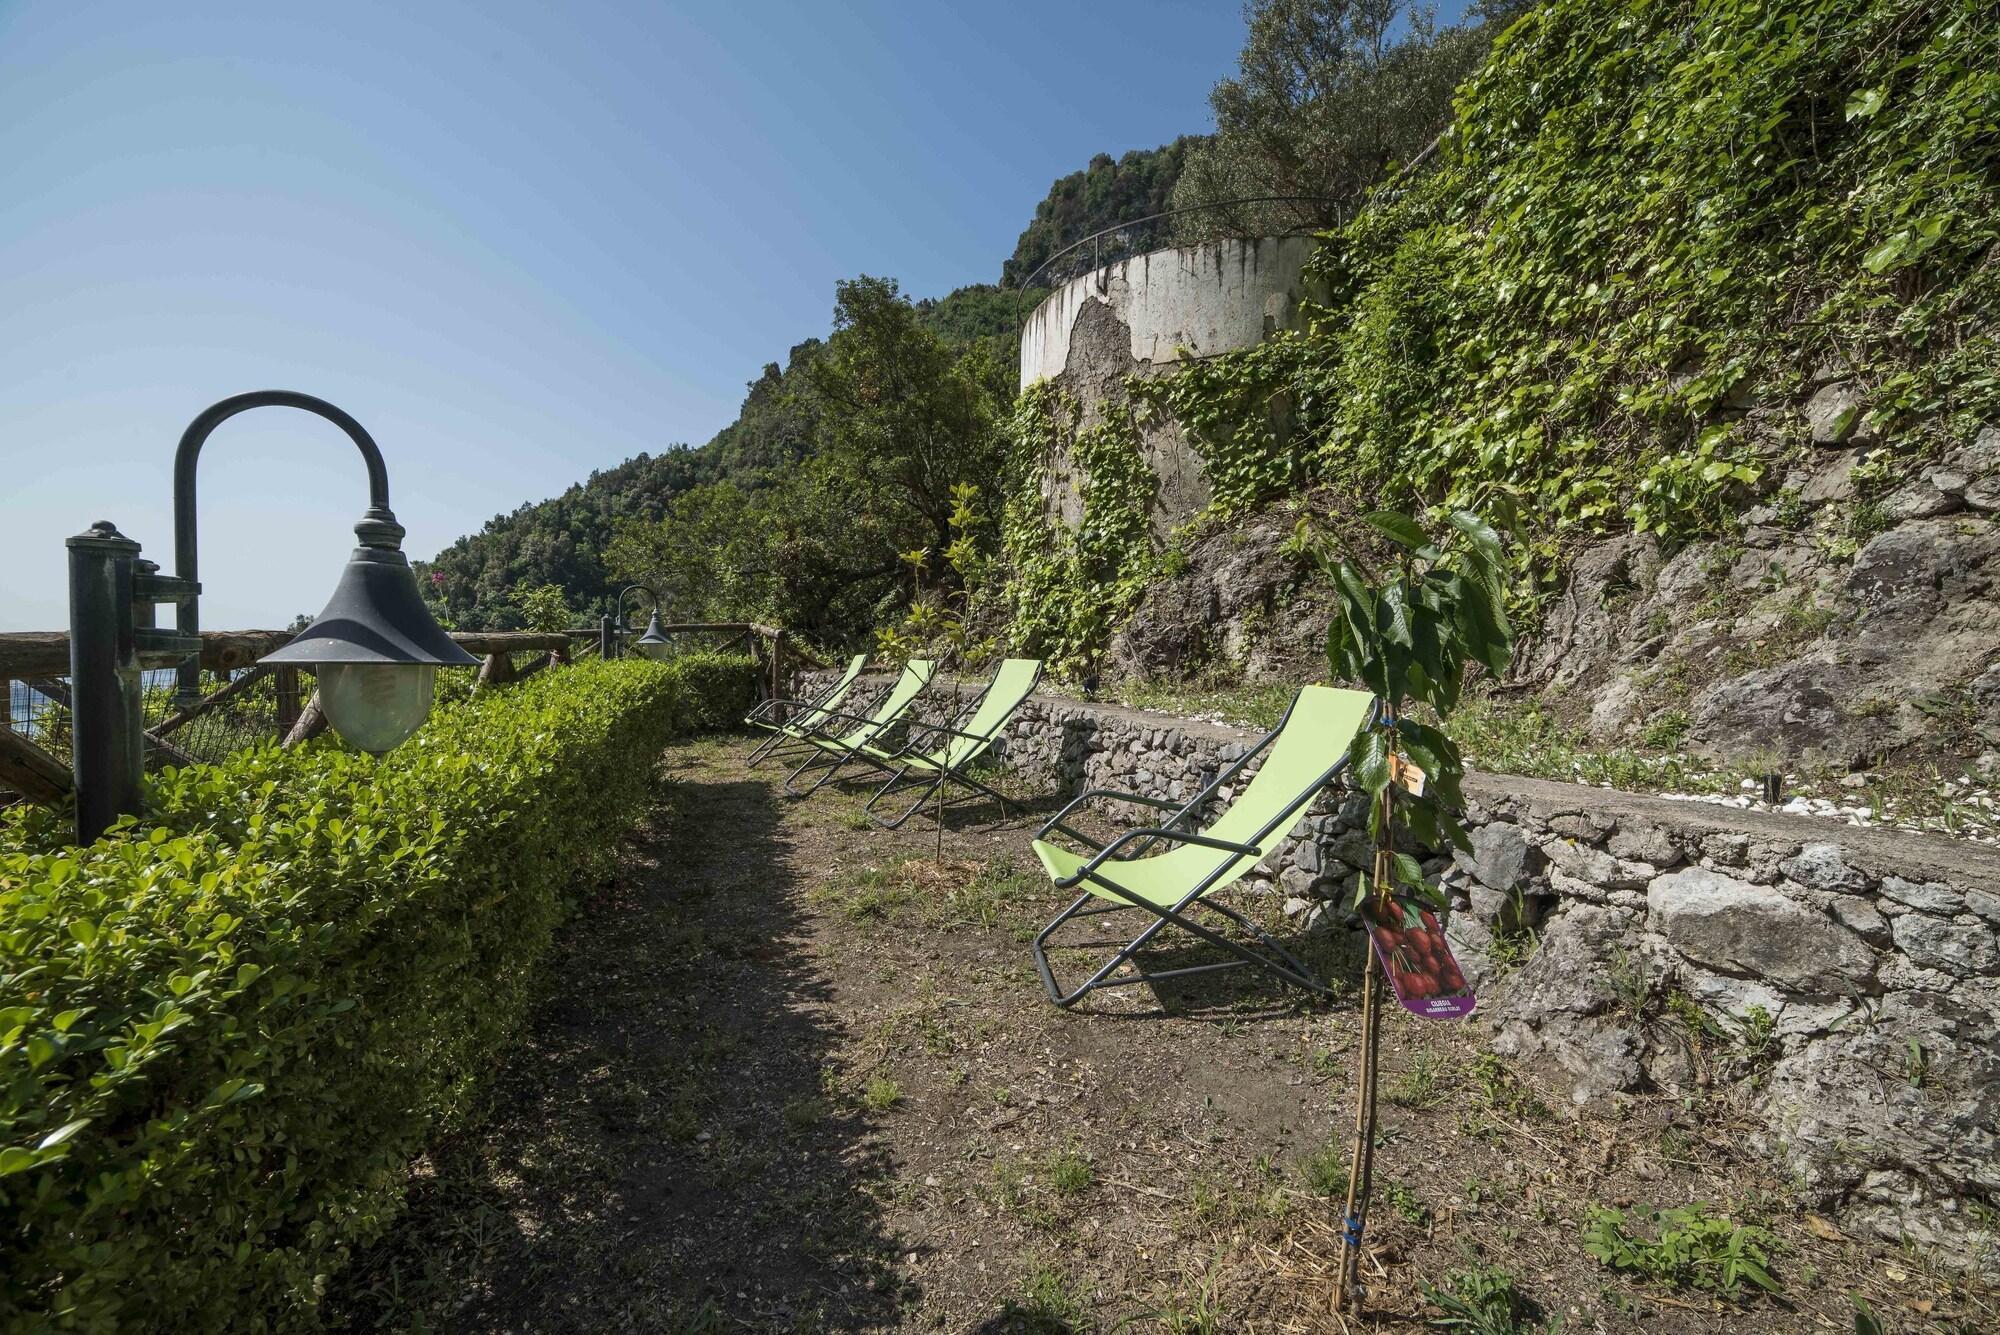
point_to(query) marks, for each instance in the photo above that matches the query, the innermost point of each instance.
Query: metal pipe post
(607, 639)
(107, 718)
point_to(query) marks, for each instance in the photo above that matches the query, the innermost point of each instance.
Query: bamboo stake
(1361, 1163)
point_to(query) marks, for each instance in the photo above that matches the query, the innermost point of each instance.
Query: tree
(1409, 632)
(903, 411)
(1328, 97)
(543, 608)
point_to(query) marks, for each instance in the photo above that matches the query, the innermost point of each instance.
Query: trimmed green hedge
(223, 1035)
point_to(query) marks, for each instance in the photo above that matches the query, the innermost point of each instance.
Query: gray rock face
(1929, 896)
(1929, 1126)
(1500, 856)
(1958, 948)
(1644, 843)
(1833, 416)
(1738, 927)
(1560, 1003)
(1824, 867)
(1793, 707)
(1899, 564)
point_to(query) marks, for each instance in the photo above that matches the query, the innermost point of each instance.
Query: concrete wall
(1874, 955)
(1211, 298)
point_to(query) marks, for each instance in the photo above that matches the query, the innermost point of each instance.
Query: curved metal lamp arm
(378, 527)
(636, 588)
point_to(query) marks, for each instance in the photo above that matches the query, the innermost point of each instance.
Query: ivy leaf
(1395, 616)
(1398, 527)
(1886, 254)
(1866, 103)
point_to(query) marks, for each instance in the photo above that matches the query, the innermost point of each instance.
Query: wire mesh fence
(265, 703)
(237, 711)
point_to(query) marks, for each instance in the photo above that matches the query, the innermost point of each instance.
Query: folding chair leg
(817, 760)
(889, 787)
(1285, 966)
(766, 747)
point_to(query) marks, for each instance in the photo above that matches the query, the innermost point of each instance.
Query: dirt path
(799, 1075)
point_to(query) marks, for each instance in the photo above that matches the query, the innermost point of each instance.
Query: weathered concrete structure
(1138, 318)
(1212, 298)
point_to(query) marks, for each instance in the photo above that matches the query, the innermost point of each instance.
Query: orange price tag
(1407, 773)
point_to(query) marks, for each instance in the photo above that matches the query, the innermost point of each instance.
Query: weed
(1325, 1171)
(1692, 1249)
(1502, 1092)
(1629, 980)
(1508, 951)
(881, 1094)
(1916, 1064)
(1049, 1303)
(1483, 1300)
(1203, 1315)
(803, 1111)
(1667, 730)
(1757, 1035)
(1070, 1173)
(1421, 1084)
(1407, 1204)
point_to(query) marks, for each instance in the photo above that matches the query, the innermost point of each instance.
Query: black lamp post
(653, 644)
(376, 648)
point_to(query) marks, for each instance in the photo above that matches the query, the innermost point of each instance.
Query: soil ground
(797, 1074)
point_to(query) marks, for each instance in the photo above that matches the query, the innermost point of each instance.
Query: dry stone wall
(1839, 985)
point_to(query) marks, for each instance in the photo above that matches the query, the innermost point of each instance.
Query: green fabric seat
(830, 752)
(1168, 872)
(964, 741)
(776, 716)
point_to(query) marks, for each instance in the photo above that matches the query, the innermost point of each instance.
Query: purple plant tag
(1421, 968)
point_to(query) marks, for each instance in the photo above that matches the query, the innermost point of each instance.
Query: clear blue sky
(518, 241)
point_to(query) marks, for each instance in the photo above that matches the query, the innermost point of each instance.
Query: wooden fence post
(289, 703)
(778, 666)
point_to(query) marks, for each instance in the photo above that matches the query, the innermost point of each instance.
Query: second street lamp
(653, 644)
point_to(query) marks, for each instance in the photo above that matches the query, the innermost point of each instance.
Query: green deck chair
(793, 720)
(1300, 757)
(830, 752)
(955, 745)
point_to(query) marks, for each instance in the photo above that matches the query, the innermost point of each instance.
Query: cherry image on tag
(1421, 968)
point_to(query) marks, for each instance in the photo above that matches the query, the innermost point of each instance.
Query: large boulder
(1736, 927)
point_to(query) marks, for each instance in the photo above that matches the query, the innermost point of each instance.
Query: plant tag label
(1407, 773)
(1421, 968)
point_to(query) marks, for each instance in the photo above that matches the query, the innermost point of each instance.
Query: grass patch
(1422, 1084)
(1325, 1170)
(1069, 1173)
(1484, 1300)
(880, 1094)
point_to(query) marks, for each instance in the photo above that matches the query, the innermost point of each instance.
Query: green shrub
(225, 1032)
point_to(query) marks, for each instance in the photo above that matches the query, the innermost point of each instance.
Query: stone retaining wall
(1839, 985)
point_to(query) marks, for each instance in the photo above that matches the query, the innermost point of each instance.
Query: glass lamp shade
(376, 706)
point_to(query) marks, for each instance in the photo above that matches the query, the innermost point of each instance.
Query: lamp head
(653, 644)
(376, 647)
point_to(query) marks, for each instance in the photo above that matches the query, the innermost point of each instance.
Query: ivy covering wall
(1650, 230)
